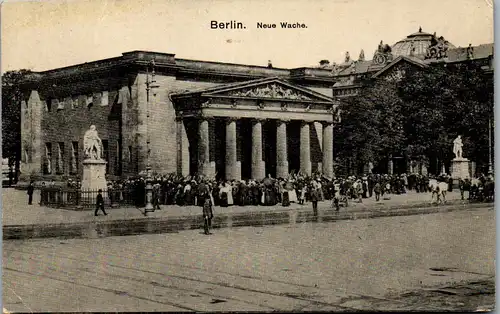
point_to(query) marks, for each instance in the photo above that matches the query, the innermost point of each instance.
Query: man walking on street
(31, 189)
(314, 198)
(208, 214)
(100, 204)
(461, 186)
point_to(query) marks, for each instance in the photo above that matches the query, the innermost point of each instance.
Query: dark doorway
(191, 126)
(382, 167)
(269, 152)
(293, 135)
(220, 149)
(245, 142)
(399, 165)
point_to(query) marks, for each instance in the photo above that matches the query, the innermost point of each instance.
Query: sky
(43, 35)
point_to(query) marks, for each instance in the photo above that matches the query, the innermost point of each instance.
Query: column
(281, 150)
(305, 148)
(258, 165)
(204, 147)
(182, 149)
(232, 172)
(328, 150)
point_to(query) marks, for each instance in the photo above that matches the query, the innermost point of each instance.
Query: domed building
(418, 44)
(418, 50)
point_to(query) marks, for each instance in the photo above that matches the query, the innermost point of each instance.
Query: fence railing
(72, 197)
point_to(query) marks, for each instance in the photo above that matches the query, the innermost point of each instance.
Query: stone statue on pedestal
(94, 167)
(92, 144)
(460, 165)
(457, 147)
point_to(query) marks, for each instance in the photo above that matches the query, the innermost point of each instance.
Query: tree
(12, 96)
(418, 115)
(442, 102)
(371, 127)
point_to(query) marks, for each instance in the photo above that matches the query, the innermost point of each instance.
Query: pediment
(268, 89)
(395, 70)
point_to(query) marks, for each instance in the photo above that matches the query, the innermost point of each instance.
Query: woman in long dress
(285, 198)
(292, 195)
(229, 191)
(223, 196)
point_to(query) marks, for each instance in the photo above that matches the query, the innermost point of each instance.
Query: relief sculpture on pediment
(271, 91)
(396, 74)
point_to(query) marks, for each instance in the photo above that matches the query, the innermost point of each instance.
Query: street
(343, 266)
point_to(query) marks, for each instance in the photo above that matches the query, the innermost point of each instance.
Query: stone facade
(111, 94)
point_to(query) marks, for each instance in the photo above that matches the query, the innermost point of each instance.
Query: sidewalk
(21, 221)
(16, 211)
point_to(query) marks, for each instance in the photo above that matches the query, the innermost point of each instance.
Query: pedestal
(94, 175)
(460, 168)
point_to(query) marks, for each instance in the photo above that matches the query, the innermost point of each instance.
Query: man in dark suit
(461, 186)
(100, 203)
(208, 214)
(31, 189)
(314, 198)
(370, 185)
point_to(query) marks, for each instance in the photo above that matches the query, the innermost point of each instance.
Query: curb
(153, 225)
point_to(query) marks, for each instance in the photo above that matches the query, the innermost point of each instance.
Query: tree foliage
(12, 96)
(371, 127)
(419, 115)
(444, 102)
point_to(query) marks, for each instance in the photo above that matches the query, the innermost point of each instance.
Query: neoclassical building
(222, 120)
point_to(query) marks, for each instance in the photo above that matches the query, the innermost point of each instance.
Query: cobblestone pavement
(16, 211)
(395, 263)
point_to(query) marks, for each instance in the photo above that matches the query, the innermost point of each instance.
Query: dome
(420, 41)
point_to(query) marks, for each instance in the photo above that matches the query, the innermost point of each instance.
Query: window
(105, 153)
(26, 155)
(104, 98)
(129, 155)
(97, 98)
(60, 104)
(47, 169)
(118, 161)
(48, 105)
(89, 101)
(60, 158)
(74, 102)
(74, 158)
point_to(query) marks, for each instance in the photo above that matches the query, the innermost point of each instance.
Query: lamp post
(149, 188)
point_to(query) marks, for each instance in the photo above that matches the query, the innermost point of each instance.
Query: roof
(454, 55)
(222, 88)
(412, 60)
(360, 67)
(419, 41)
(480, 52)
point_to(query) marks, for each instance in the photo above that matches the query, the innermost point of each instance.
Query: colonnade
(233, 166)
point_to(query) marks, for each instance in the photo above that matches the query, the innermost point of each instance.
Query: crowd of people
(186, 191)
